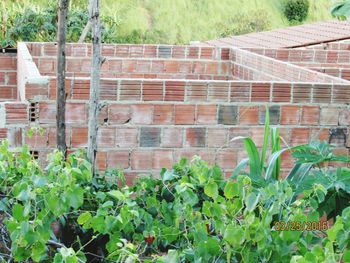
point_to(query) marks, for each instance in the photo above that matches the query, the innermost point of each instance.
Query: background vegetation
(164, 21)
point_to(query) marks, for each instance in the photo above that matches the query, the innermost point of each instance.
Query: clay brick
(130, 90)
(302, 92)
(143, 66)
(195, 137)
(174, 91)
(34, 90)
(141, 160)
(129, 66)
(126, 137)
(281, 92)
(207, 52)
(206, 114)
(115, 65)
(300, 136)
(14, 136)
(274, 115)
(76, 113)
(310, 115)
(172, 137)
(228, 115)
(290, 115)
(341, 94)
(329, 116)
(152, 91)
(157, 66)
(184, 114)
(240, 92)
(163, 114)
(118, 159)
(217, 137)
(198, 67)
(218, 92)
(185, 67)
(196, 91)
(119, 113)
(101, 160)
(81, 89)
(162, 159)
(249, 115)
(16, 113)
(79, 137)
(258, 136)
(193, 52)
(344, 117)
(142, 114)
(287, 160)
(74, 65)
(238, 132)
(149, 137)
(321, 134)
(227, 158)
(260, 92)
(106, 137)
(8, 63)
(322, 93)
(171, 66)
(211, 68)
(46, 65)
(338, 136)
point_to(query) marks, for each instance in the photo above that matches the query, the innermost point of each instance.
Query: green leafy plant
(341, 10)
(296, 10)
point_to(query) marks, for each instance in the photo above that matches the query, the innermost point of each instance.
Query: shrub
(296, 10)
(244, 23)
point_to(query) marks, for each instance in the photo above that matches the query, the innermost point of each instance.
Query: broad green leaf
(84, 217)
(211, 189)
(17, 212)
(239, 168)
(231, 190)
(333, 231)
(117, 194)
(251, 201)
(75, 197)
(234, 235)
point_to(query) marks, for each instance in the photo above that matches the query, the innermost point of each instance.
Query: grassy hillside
(180, 21)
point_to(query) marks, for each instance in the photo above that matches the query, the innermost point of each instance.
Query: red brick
(8, 62)
(300, 136)
(174, 91)
(249, 115)
(184, 114)
(142, 114)
(163, 114)
(258, 136)
(227, 158)
(195, 137)
(79, 137)
(198, 67)
(16, 113)
(290, 115)
(106, 137)
(218, 92)
(281, 93)
(115, 65)
(217, 137)
(126, 137)
(344, 117)
(34, 90)
(260, 92)
(171, 66)
(118, 159)
(302, 92)
(287, 160)
(76, 113)
(74, 65)
(310, 115)
(321, 134)
(141, 160)
(172, 137)
(211, 68)
(329, 116)
(240, 92)
(129, 66)
(206, 114)
(162, 159)
(197, 91)
(238, 132)
(119, 113)
(130, 90)
(322, 93)
(101, 160)
(152, 91)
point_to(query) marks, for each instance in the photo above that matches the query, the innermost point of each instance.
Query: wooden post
(95, 82)
(61, 75)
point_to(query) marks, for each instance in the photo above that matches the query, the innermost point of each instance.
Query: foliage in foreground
(190, 214)
(296, 11)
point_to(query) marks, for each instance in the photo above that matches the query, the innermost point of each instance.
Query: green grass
(182, 21)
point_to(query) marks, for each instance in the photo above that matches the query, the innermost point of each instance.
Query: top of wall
(290, 37)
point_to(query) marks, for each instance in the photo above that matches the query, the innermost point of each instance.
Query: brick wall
(8, 76)
(147, 124)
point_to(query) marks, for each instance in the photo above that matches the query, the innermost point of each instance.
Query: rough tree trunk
(95, 81)
(61, 75)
